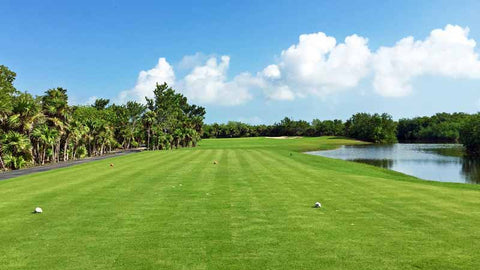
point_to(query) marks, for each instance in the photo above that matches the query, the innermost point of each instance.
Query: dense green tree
(176, 123)
(372, 128)
(328, 127)
(441, 127)
(101, 103)
(16, 149)
(470, 135)
(7, 90)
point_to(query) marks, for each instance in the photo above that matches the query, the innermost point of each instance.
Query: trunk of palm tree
(38, 157)
(148, 138)
(90, 149)
(2, 163)
(53, 154)
(57, 149)
(43, 155)
(74, 151)
(65, 153)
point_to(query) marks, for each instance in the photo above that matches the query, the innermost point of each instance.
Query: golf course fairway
(252, 210)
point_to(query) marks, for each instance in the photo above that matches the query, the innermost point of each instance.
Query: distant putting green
(251, 210)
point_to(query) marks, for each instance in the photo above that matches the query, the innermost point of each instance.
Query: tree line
(35, 130)
(377, 128)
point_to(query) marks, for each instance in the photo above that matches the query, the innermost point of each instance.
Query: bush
(470, 135)
(374, 128)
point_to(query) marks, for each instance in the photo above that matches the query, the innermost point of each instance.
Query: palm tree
(18, 148)
(55, 107)
(2, 141)
(148, 120)
(26, 108)
(45, 137)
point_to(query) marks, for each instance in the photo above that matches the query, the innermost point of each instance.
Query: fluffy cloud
(318, 65)
(445, 52)
(208, 84)
(147, 80)
(192, 61)
(205, 84)
(281, 92)
(271, 72)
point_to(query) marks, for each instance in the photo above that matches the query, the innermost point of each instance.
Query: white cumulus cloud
(319, 65)
(281, 92)
(192, 61)
(208, 84)
(205, 84)
(445, 52)
(147, 80)
(271, 72)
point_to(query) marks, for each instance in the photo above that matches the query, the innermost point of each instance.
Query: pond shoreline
(433, 162)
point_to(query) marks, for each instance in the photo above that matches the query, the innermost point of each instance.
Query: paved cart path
(48, 167)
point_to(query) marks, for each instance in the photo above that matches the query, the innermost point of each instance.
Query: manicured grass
(252, 210)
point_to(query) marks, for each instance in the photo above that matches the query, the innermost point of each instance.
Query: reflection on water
(420, 160)
(471, 170)
(384, 163)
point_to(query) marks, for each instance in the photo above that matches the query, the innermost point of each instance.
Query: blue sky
(99, 48)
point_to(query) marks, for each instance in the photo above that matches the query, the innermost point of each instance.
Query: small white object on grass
(38, 210)
(318, 205)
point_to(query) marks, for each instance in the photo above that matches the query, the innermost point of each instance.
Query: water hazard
(420, 160)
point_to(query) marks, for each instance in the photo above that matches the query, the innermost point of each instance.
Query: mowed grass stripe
(168, 204)
(264, 231)
(39, 180)
(301, 225)
(60, 181)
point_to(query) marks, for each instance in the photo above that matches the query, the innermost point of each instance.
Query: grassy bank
(252, 210)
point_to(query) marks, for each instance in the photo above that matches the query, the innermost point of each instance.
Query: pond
(421, 160)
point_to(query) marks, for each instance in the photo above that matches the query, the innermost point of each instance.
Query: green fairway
(252, 210)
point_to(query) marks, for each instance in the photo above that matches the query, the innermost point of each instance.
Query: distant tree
(328, 127)
(7, 90)
(470, 135)
(441, 127)
(372, 128)
(101, 103)
(171, 121)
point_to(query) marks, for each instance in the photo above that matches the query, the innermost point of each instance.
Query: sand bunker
(285, 137)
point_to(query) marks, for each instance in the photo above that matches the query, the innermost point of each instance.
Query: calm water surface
(420, 160)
